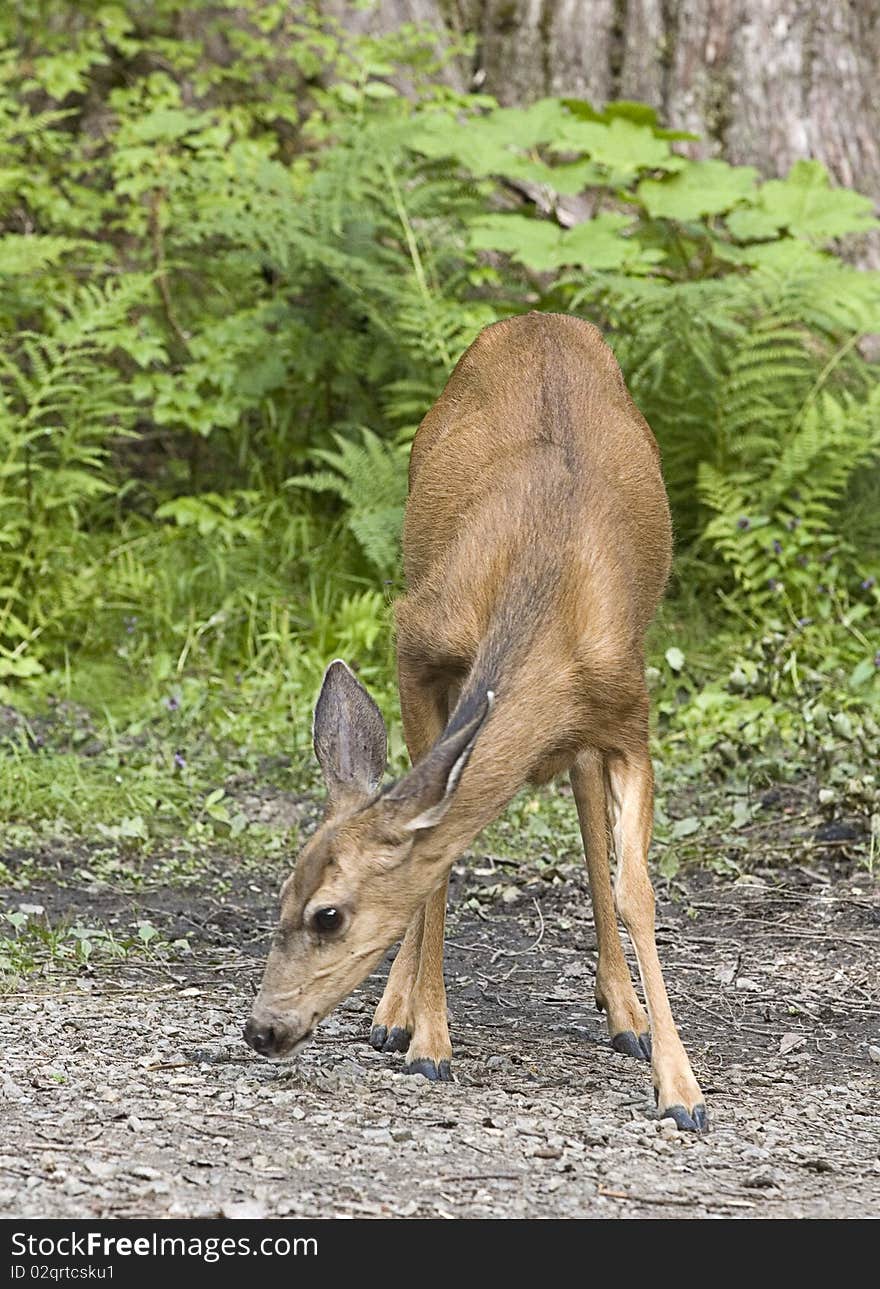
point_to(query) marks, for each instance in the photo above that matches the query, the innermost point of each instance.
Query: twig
(516, 953)
(646, 1199)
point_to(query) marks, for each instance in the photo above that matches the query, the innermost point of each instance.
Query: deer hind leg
(630, 783)
(615, 996)
(411, 1015)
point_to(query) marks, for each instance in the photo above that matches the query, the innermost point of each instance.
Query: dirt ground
(127, 1090)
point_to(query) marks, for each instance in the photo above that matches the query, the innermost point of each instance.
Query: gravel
(126, 1090)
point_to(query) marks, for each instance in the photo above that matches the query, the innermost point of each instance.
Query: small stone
(874, 1053)
(246, 1211)
(498, 1062)
(100, 1168)
(378, 1136)
(819, 1165)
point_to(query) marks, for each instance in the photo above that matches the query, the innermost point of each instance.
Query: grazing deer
(537, 543)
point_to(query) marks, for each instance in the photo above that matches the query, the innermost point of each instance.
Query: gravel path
(127, 1091)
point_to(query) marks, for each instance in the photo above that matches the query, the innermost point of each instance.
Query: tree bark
(763, 82)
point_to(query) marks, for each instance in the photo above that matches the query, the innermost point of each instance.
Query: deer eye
(327, 920)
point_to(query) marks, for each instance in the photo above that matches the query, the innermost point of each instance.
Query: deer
(537, 544)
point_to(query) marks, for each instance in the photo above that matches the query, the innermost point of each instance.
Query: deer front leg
(430, 1050)
(631, 805)
(615, 996)
(392, 1021)
(411, 1015)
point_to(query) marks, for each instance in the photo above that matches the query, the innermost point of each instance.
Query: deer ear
(425, 794)
(348, 736)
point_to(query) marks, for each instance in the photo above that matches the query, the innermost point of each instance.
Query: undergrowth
(237, 267)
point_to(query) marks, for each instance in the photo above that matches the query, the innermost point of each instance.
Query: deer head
(364, 873)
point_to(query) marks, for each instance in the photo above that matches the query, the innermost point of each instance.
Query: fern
(777, 533)
(61, 407)
(370, 478)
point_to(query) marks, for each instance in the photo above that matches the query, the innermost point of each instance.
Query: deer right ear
(349, 737)
(423, 796)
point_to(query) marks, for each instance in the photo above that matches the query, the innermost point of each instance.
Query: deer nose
(267, 1039)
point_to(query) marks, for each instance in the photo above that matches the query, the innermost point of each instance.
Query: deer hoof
(696, 1120)
(436, 1071)
(384, 1039)
(631, 1045)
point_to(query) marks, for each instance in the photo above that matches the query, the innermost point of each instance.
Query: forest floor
(127, 1091)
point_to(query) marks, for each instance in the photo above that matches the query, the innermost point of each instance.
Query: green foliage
(738, 330)
(236, 267)
(370, 478)
(30, 943)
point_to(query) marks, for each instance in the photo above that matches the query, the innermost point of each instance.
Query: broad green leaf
(598, 244)
(685, 827)
(622, 147)
(752, 224)
(701, 188)
(574, 176)
(543, 246)
(534, 242)
(638, 113)
(516, 127)
(807, 206)
(477, 150)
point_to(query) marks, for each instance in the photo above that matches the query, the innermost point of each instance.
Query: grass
(29, 943)
(152, 760)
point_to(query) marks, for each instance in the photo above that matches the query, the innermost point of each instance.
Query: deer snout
(272, 1036)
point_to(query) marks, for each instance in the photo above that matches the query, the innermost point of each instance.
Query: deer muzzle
(274, 1036)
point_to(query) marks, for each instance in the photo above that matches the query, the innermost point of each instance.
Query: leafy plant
(230, 287)
(369, 477)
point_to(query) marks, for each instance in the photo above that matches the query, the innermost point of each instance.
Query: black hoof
(441, 1073)
(698, 1121)
(395, 1039)
(630, 1045)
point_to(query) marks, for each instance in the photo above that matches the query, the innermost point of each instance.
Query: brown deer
(537, 544)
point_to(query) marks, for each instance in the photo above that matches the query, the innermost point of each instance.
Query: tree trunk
(763, 82)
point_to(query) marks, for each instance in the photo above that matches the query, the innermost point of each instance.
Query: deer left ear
(349, 737)
(426, 793)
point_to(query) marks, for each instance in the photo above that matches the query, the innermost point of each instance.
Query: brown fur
(537, 544)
